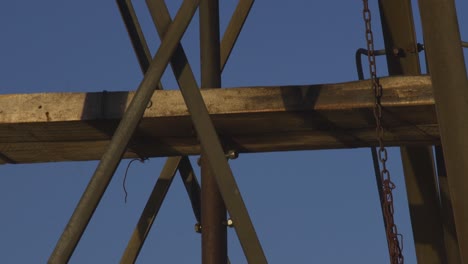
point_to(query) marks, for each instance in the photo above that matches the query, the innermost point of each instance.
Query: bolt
(232, 154)
(198, 228)
(420, 47)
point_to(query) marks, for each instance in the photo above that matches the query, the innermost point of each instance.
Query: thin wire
(142, 160)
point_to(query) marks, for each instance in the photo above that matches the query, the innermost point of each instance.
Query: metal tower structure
(418, 112)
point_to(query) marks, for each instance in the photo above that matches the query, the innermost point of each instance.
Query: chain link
(393, 237)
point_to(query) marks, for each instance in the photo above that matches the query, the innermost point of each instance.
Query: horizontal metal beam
(78, 126)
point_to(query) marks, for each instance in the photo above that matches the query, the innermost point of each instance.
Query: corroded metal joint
(198, 228)
(232, 154)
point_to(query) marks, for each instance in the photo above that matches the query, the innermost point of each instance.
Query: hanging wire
(142, 160)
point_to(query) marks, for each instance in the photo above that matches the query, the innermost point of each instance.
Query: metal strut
(162, 21)
(111, 158)
(450, 84)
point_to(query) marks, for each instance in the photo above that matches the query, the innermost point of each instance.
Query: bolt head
(232, 154)
(198, 228)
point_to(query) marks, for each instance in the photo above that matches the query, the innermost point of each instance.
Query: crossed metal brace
(170, 50)
(162, 21)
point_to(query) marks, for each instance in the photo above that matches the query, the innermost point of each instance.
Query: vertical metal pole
(213, 214)
(418, 163)
(449, 80)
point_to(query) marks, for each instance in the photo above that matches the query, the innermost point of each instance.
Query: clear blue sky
(307, 207)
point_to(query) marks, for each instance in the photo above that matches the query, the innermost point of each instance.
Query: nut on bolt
(198, 228)
(232, 154)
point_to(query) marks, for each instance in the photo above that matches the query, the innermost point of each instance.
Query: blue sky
(307, 206)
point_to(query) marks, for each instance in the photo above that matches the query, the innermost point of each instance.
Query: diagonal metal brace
(162, 21)
(142, 52)
(233, 29)
(151, 210)
(111, 158)
(226, 182)
(210, 143)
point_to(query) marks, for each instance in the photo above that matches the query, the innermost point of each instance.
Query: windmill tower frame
(201, 126)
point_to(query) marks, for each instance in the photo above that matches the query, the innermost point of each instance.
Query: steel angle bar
(449, 79)
(233, 29)
(151, 210)
(424, 205)
(191, 185)
(185, 78)
(136, 34)
(185, 168)
(179, 63)
(187, 83)
(450, 235)
(162, 20)
(156, 199)
(111, 158)
(418, 162)
(224, 177)
(446, 213)
(172, 164)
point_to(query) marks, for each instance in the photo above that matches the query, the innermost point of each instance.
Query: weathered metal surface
(135, 33)
(78, 126)
(448, 73)
(191, 186)
(233, 29)
(120, 139)
(164, 181)
(213, 213)
(424, 204)
(418, 164)
(450, 234)
(213, 151)
(150, 211)
(162, 21)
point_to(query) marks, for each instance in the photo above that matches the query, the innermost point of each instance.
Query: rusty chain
(393, 237)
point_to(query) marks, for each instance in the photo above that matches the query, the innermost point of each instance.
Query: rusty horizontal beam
(51, 127)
